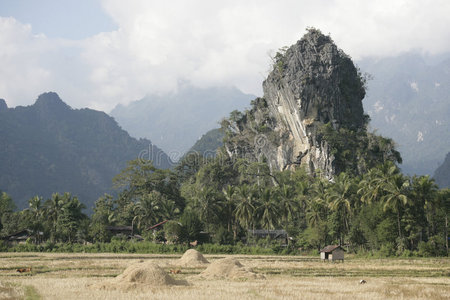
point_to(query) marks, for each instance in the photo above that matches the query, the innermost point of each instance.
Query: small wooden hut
(332, 253)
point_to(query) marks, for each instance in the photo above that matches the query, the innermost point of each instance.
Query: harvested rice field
(196, 276)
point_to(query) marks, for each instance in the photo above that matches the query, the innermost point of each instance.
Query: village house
(332, 253)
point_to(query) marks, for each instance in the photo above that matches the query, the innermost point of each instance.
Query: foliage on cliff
(311, 114)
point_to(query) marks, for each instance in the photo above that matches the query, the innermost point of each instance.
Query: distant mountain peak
(442, 174)
(65, 150)
(3, 105)
(50, 100)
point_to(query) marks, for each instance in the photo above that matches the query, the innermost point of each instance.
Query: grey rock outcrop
(312, 83)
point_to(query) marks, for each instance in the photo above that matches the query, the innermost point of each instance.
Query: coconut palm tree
(37, 213)
(370, 188)
(424, 191)
(268, 209)
(229, 193)
(287, 204)
(53, 207)
(245, 206)
(339, 197)
(208, 204)
(395, 189)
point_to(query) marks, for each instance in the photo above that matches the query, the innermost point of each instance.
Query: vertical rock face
(312, 83)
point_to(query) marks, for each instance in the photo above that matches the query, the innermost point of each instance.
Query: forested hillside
(49, 147)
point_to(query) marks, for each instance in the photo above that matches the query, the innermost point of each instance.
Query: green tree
(70, 218)
(268, 210)
(229, 193)
(245, 207)
(140, 178)
(340, 203)
(287, 204)
(6, 209)
(395, 189)
(53, 207)
(36, 221)
(192, 225)
(424, 193)
(104, 216)
(208, 204)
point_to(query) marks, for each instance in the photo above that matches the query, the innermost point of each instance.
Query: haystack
(229, 268)
(192, 258)
(141, 276)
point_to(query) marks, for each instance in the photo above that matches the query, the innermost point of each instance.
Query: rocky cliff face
(312, 83)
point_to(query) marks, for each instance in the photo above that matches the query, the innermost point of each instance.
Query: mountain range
(49, 147)
(442, 174)
(408, 100)
(176, 121)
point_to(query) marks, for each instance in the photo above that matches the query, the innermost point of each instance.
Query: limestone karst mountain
(311, 114)
(49, 147)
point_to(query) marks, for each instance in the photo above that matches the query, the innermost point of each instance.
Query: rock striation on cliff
(313, 84)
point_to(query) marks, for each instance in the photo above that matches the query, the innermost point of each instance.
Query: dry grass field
(78, 276)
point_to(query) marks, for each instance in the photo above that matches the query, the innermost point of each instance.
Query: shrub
(434, 247)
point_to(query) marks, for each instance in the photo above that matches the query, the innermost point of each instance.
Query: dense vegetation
(382, 211)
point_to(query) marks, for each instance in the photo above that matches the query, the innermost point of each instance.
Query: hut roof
(330, 248)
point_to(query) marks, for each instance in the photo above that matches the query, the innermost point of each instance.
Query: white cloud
(206, 42)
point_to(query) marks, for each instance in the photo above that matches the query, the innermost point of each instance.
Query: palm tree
(371, 186)
(287, 204)
(229, 193)
(69, 217)
(146, 210)
(340, 202)
(208, 205)
(245, 208)
(268, 209)
(395, 196)
(53, 208)
(424, 190)
(443, 203)
(316, 205)
(37, 213)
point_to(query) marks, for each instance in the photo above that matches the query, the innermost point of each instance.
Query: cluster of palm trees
(303, 202)
(365, 210)
(58, 218)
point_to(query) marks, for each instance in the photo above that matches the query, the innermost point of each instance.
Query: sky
(98, 53)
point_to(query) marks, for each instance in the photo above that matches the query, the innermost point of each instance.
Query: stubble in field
(76, 276)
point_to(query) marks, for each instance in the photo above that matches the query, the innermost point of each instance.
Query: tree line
(220, 199)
